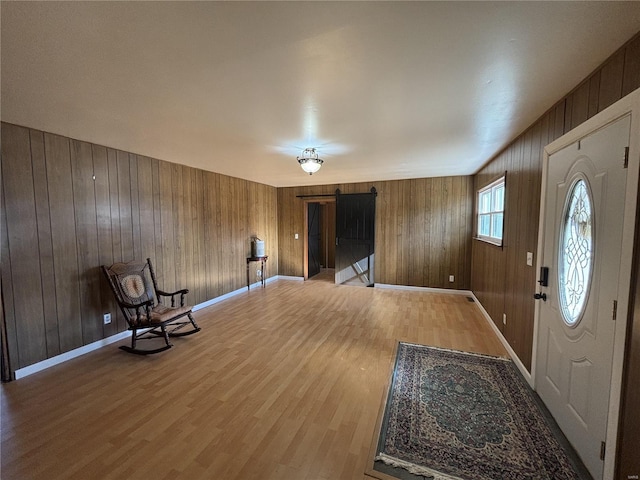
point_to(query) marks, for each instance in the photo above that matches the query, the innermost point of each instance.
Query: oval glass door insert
(576, 253)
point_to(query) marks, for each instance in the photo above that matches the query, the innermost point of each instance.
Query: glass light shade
(310, 165)
(309, 161)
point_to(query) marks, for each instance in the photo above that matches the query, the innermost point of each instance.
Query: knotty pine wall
(59, 226)
(423, 229)
(500, 277)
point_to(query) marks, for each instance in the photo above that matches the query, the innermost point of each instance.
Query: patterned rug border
(405, 470)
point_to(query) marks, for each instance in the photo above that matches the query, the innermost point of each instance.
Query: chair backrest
(131, 283)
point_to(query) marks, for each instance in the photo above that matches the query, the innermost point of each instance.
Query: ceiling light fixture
(309, 161)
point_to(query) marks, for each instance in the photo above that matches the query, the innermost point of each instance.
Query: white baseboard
(512, 353)
(63, 357)
(288, 277)
(423, 289)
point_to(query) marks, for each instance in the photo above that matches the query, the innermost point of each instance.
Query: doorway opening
(320, 238)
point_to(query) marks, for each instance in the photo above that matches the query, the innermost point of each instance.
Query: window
(575, 258)
(491, 212)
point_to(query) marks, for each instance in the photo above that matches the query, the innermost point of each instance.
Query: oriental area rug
(456, 415)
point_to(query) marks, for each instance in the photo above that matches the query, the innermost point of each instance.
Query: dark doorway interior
(321, 236)
(355, 229)
(313, 237)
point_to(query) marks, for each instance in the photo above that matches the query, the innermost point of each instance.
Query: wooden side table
(263, 267)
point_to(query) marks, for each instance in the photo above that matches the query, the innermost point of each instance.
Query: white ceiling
(384, 90)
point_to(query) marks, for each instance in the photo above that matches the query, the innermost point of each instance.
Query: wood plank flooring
(281, 383)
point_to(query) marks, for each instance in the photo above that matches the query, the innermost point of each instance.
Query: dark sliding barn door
(355, 228)
(313, 237)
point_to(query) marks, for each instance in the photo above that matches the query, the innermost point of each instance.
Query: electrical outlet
(451, 278)
(295, 235)
(106, 318)
(504, 318)
(530, 259)
(258, 273)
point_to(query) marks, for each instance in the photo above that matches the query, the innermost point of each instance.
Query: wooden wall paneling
(286, 254)
(559, 120)
(187, 230)
(19, 201)
(114, 205)
(87, 240)
(220, 232)
(520, 299)
(435, 233)
(459, 232)
(511, 237)
(274, 218)
(116, 236)
(468, 225)
(157, 218)
(449, 205)
(462, 232)
(568, 110)
(241, 230)
(389, 250)
(402, 219)
(226, 234)
(611, 75)
(454, 246)
(144, 227)
(178, 217)
(124, 203)
(594, 94)
(380, 233)
(631, 76)
(259, 214)
(255, 210)
(45, 247)
(104, 236)
(416, 232)
(63, 235)
(8, 309)
(167, 276)
(212, 234)
(580, 104)
(197, 221)
(136, 234)
(427, 214)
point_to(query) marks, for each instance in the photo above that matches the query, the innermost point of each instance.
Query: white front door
(582, 239)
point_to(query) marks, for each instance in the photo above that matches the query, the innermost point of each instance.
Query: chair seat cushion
(159, 314)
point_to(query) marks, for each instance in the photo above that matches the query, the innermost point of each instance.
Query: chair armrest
(182, 293)
(136, 305)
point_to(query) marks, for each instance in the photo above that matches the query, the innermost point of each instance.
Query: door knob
(540, 295)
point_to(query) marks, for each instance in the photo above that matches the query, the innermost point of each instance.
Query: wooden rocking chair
(136, 291)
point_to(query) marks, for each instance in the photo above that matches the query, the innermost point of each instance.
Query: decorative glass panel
(576, 253)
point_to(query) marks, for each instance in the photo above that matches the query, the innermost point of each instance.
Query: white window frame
(492, 213)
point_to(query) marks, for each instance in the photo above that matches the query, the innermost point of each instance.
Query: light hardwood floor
(281, 383)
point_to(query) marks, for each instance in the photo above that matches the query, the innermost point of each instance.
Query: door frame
(305, 241)
(629, 105)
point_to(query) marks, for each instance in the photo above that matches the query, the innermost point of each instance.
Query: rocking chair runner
(136, 291)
